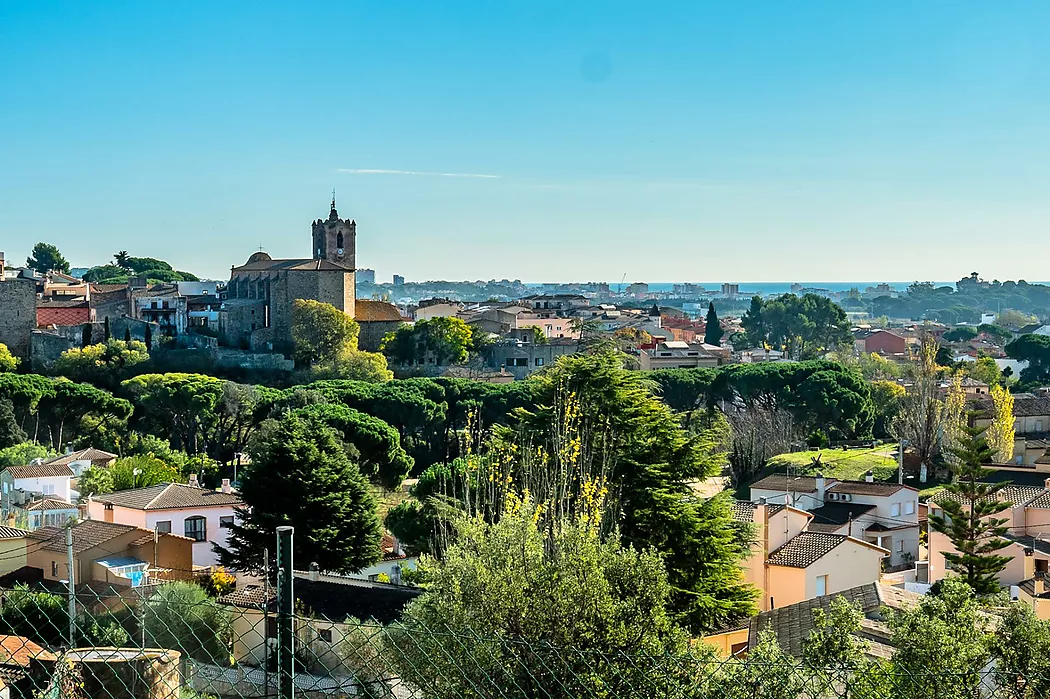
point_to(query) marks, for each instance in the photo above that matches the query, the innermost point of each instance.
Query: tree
(1034, 349)
(127, 334)
(96, 481)
(8, 361)
(370, 367)
(11, 433)
(106, 335)
(528, 581)
(984, 370)
(300, 476)
(1000, 432)
(1022, 649)
(713, 329)
(941, 644)
(105, 364)
(920, 418)
(148, 338)
(443, 340)
(181, 616)
(141, 471)
(887, 398)
(804, 327)
(322, 334)
(121, 258)
(24, 453)
(967, 517)
(46, 258)
(40, 616)
(1012, 318)
(594, 417)
(961, 334)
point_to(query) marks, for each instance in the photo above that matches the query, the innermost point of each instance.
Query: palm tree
(121, 258)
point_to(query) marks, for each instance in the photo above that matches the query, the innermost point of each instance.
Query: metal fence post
(285, 615)
(72, 585)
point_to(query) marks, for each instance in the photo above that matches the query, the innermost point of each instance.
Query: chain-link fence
(174, 640)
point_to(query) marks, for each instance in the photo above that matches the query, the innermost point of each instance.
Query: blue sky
(662, 141)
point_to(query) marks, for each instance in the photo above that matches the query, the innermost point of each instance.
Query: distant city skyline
(543, 141)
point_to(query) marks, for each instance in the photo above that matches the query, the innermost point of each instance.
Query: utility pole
(285, 615)
(72, 584)
(900, 460)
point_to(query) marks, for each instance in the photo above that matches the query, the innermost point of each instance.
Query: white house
(80, 461)
(18, 484)
(879, 513)
(174, 508)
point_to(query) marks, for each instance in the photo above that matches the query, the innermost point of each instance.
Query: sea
(768, 288)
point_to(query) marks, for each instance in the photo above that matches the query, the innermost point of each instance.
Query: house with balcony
(885, 515)
(201, 515)
(82, 460)
(20, 485)
(674, 354)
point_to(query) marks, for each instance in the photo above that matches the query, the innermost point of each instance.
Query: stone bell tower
(335, 239)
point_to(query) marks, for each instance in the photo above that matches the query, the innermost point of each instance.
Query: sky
(544, 141)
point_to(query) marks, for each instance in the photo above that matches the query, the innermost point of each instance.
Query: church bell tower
(335, 239)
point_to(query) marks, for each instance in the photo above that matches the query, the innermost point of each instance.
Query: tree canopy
(322, 333)
(8, 361)
(805, 327)
(1034, 349)
(45, 258)
(438, 340)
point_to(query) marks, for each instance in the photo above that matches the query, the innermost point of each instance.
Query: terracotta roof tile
(169, 496)
(45, 470)
(368, 311)
(86, 535)
(89, 454)
(805, 549)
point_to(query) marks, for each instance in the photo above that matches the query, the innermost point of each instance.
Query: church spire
(334, 215)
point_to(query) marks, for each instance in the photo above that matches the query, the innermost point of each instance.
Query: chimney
(869, 477)
(193, 483)
(226, 486)
(1039, 584)
(821, 488)
(1046, 484)
(315, 573)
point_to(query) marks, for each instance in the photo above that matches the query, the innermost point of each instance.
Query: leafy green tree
(1034, 349)
(141, 472)
(24, 453)
(941, 644)
(647, 458)
(181, 616)
(47, 258)
(529, 581)
(105, 364)
(961, 334)
(300, 476)
(96, 481)
(887, 397)
(11, 433)
(804, 327)
(106, 274)
(322, 334)
(121, 259)
(967, 516)
(8, 361)
(839, 400)
(1022, 650)
(70, 406)
(355, 366)
(378, 444)
(40, 616)
(713, 329)
(443, 340)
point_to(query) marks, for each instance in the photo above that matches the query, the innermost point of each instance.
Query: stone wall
(17, 315)
(373, 332)
(47, 346)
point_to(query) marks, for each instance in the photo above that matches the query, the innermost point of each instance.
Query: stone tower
(335, 239)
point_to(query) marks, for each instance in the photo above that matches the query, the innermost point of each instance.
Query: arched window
(196, 528)
(339, 240)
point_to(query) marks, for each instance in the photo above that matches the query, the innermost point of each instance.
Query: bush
(181, 616)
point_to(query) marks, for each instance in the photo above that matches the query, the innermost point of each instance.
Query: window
(54, 569)
(338, 244)
(822, 585)
(909, 507)
(226, 522)
(539, 361)
(196, 528)
(900, 546)
(163, 527)
(49, 489)
(325, 635)
(895, 510)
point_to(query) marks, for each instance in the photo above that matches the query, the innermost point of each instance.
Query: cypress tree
(300, 476)
(85, 335)
(713, 333)
(127, 334)
(106, 336)
(149, 338)
(966, 517)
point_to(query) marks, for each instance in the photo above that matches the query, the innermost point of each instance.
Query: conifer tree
(300, 476)
(967, 517)
(713, 332)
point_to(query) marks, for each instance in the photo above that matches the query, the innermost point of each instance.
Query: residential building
(203, 516)
(730, 290)
(106, 552)
(438, 308)
(1035, 592)
(560, 303)
(44, 512)
(793, 623)
(885, 515)
(12, 549)
(520, 358)
(761, 354)
(638, 290)
(365, 276)
(789, 563)
(59, 311)
(81, 460)
(18, 484)
(376, 320)
(881, 342)
(552, 326)
(398, 280)
(1028, 521)
(1031, 427)
(392, 564)
(257, 308)
(331, 598)
(675, 354)
(164, 305)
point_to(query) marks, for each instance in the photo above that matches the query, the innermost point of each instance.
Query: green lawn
(844, 464)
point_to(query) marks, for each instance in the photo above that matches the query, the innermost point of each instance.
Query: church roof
(269, 265)
(366, 310)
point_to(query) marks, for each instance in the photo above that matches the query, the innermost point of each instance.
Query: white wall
(203, 555)
(36, 485)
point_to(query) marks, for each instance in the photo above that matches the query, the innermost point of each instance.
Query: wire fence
(174, 641)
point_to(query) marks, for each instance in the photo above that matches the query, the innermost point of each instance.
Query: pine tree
(10, 433)
(713, 333)
(301, 476)
(967, 515)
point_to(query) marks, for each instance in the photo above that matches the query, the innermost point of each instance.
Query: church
(256, 313)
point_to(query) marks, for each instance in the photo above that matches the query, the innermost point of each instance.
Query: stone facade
(257, 309)
(17, 315)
